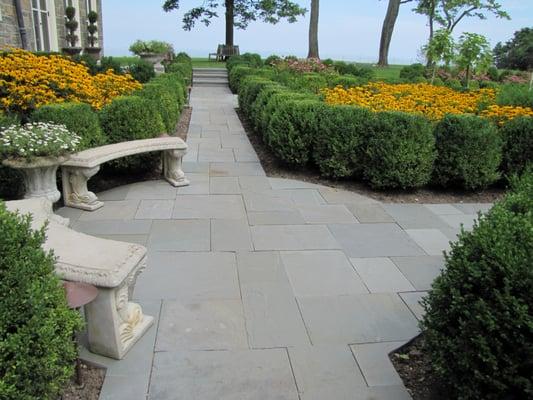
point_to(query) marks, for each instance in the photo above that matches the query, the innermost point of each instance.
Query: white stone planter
(156, 60)
(39, 175)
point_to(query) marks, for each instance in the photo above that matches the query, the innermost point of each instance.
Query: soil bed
(92, 379)
(274, 168)
(414, 367)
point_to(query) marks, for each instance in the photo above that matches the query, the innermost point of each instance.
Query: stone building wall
(9, 29)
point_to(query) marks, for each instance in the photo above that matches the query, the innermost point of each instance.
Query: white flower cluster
(37, 139)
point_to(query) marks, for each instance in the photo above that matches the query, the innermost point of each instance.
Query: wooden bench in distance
(82, 166)
(114, 324)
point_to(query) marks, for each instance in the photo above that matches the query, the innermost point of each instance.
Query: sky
(348, 30)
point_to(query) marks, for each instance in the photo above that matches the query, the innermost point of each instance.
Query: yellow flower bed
(28, 81)
(422, 98)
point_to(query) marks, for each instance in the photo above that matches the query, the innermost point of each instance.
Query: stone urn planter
(93, 52)
(156, 60)
(39, 175)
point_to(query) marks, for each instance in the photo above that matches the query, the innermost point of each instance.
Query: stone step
(210, 76)
(210, 82)
(209, 71)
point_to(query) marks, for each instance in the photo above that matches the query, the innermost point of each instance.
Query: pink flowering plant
(38, 139)
(302, 66)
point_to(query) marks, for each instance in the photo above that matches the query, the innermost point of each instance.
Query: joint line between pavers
(156, 327)
(403, 301)
(242, 302)
(302, 316)
(358, 366)
(293, 374)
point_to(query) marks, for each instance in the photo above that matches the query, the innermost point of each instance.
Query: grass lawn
(390, 72)
(206, 63)
(125, 60)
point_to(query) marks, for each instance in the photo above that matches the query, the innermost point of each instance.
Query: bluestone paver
(420, 271)
(413, 299)
(293, 237)
(381, 275)
(230, 235)
(155, 209)
(180, 235)
(373, 359)
(432, 241)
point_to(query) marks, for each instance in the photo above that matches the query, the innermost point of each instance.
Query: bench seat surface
(93, 157)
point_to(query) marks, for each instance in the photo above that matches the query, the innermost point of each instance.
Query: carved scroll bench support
(114, 323)
(82, 166)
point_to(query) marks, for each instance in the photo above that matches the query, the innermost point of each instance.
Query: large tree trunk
(431, 22)
(229, 22)
(386, 32)
(313, 30)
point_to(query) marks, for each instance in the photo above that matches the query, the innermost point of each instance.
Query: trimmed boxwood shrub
(177, 83)
(258, 109)
(468, 152)
(292, 129)
(479, 320)
(249, 59)
(37, 349)
(346, 81)
(250, 87)
(78, 118)
(237, 74)
(338, 149)
(165, 100)
(274, 103)
(131, 118)
(399, 151)
(517, 137)
(182, 68)
(413, 72)
(308, 82)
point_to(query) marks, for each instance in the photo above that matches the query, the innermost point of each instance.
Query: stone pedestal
(75, 191)
(39, 176)
(172, 167)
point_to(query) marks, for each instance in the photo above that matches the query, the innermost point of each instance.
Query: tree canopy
(245, 11)
(517, 53)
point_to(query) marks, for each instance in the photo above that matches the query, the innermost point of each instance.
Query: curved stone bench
(114, 323)
(83, 165)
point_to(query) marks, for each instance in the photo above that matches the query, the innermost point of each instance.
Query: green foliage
(513, 94)
(270, 60)
(166, 101)
(474, 53)
(251, 60)
(517, 137)
(339, 140)
(244, 12)
(275, 100)
(346, 81)
(37, 348)
(182, 57)
(468, 152)
(142, 70)
(236, 74)
(399, 151)
(184, 69)
(11, 180)
(479, 322)
(152, 46)
(412, 72)
(176, 83)
(79, 118)
(345, 68)
(107, 63)
(131, 118)
(257, 112)
(308, 82)
(517, 53)
(292, 129)
(249, 89)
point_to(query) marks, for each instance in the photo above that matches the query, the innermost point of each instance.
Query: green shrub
(142, 70)
(249, 89)
(37, 349)
(468, 152)
(346, 81)
(11, 180)
(270, 60)
(271, 106)
(339, 140)
(514, 95)
(237, 74)
(344, 68)
(79, 118)
(517, 137)
(454, 84)
(292, 129)
(248, 59)
(165, 101)
(107, 63)
(131, 118)
(479, 322)
(399, 151)
(181, 68)
(413, 72)
(257, 110)
(308, 82)
(183, 58)
(175, 82)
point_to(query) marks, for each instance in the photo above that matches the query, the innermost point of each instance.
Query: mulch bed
(414, 367)
(92, 379)
(274, 168)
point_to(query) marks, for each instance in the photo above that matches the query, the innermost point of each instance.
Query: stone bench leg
(114, 324)
(172, 172)
(75, 192)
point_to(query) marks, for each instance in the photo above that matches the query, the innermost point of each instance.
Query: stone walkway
(264, 288)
